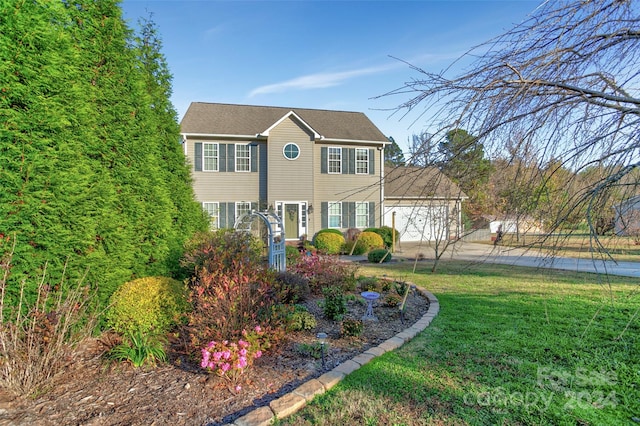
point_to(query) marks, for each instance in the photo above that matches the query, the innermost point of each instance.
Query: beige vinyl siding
(222, 186)
(345, 187)
(290, 179)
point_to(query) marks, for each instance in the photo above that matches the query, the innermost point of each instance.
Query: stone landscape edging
(297, 399)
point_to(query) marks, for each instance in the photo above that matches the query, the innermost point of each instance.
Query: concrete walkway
(476, 252)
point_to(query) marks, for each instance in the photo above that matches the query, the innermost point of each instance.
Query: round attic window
(291, 151)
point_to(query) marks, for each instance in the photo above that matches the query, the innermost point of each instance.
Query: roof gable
(315, 134)
(245, 120)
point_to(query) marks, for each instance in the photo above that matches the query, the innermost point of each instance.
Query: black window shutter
(222, 218)
(198, 156)
(372, 214)
(324, 214)
(352, 214)
(323, 159)
(254, 206)
(231, 215)
(254, 158)
(352, 161)
(346, 214)
(231, 157)
(345, 160)
(222, 157)
(372, 162)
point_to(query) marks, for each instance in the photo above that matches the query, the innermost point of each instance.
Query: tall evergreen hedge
(92, 175)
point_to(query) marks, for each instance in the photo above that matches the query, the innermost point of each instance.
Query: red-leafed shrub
(326, 271)
(231, 290)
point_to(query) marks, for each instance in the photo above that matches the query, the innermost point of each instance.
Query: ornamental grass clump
(140, 349)
(38, 340)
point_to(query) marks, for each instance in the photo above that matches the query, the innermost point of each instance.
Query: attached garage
(419, 223)
(426, 204)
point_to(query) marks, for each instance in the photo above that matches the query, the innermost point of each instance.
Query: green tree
(186, 214)
(93, 175)
(462, 159)
(393, 155)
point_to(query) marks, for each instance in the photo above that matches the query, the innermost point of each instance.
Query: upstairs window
(243, 158)
(362, 161)
(334, 160)
(291, 151)
(210, 157)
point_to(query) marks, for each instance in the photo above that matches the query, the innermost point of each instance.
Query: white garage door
(419, 223)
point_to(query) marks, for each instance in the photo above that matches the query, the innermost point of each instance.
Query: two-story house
(314, 168)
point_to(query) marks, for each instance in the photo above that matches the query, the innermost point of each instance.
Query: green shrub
(369, 284)
(301, 319)
(329, 242)
(386, 232)
(293, 255)
(351, 327)
(370, 241)
(392, 300)
(151, 304)
(375, 256)
(349, 249)
(335, 304)
(310, 349)
(328, 230)
(291, 288)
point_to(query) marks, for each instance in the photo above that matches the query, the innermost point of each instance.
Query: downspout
(183, 142)
(381, 186)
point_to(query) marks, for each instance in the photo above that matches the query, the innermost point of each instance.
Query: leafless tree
(566, 81)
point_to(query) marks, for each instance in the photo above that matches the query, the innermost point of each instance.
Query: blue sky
(318, 54)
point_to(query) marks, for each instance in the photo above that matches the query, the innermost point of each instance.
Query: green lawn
(510, 346)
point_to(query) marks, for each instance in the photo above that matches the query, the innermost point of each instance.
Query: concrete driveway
(509, 256)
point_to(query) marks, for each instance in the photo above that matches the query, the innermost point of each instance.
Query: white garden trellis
(275, 236)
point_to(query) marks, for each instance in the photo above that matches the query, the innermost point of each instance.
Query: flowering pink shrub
(230, 359)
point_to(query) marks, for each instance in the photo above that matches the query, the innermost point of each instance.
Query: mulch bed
(92, 392)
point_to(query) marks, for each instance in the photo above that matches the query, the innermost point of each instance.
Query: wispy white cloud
(212, 32)
(331, 79)
(318, 81)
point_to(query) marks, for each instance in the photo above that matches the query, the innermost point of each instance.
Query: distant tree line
(518, 183)
(92, 178)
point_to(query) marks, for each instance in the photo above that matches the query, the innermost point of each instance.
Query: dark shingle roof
(419, 182)
(228, 119)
